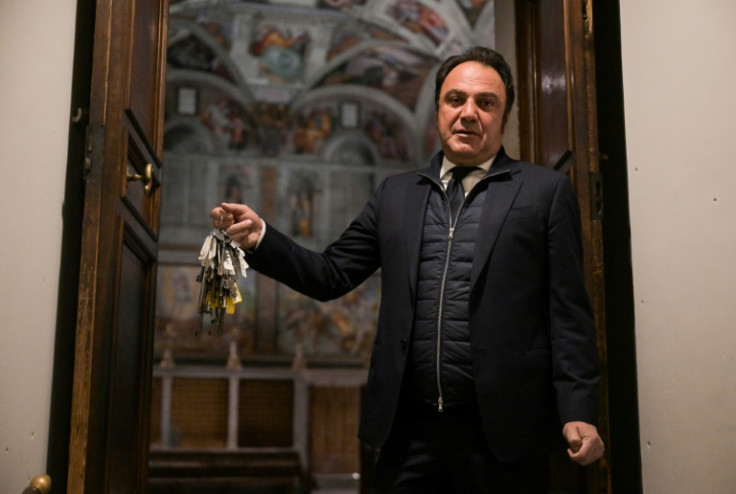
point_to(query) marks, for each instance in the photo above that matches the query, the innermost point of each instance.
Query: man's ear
(505, 121)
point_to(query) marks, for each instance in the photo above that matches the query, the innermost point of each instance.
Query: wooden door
(558, 121)
(114, 337)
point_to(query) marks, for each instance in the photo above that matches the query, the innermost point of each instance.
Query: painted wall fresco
(298, 108)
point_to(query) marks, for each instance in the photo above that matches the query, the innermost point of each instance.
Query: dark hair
(486, 56)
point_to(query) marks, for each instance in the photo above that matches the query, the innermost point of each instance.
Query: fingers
(221, 218)
(240, 222)
(590, 452)
(227, 214)
(575, 445)
(586, 446)
(244, 228)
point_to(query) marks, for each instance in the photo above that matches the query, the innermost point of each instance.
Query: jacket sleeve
(576, 373)
(343, 265)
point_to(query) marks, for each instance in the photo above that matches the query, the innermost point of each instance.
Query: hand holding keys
(240, 222)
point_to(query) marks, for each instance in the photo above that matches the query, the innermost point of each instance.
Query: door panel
(126, 368)
(558, 118)
(113, 350)
(146, 74)
(554, 143)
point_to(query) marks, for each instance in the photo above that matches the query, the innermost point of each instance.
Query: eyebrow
(455, 92)
(490, 95)
(458, 92)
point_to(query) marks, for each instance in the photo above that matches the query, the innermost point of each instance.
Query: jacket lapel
(503, 187)
(413, 213)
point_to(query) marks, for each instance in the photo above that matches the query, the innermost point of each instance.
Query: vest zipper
(450, 235)
(440, 400)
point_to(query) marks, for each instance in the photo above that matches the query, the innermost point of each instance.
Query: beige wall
(679, 70)
(36, 50)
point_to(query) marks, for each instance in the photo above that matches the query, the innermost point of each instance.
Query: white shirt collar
(447, 165)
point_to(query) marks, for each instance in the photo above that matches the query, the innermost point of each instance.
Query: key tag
(222, 262)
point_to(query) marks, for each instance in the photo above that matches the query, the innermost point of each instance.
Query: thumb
(572, 436)
(575, 444)
(237, 210)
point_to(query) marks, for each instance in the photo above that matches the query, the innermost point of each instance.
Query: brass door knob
(146, 178)
(40, 484)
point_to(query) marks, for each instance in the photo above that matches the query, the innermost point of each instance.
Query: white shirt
(470, 179)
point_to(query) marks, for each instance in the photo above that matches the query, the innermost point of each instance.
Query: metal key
(222, 262)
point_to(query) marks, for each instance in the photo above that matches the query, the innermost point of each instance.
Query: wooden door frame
(107, 63)
(624, 438)
(583, 133)
(90, 386)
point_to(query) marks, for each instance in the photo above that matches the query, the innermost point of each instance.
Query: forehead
(472, 78)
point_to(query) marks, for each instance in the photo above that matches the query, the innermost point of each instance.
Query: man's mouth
(465, 133)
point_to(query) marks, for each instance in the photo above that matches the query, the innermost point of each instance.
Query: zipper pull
(451, 233)
(440, 407)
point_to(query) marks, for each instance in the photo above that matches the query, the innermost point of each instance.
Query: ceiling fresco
(310, 69)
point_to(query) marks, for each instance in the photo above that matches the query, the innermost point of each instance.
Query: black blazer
(532, 332)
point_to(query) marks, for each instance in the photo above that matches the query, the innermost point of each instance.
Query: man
(485, 356)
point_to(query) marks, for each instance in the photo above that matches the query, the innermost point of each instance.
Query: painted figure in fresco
(215, 117)
(312, 129)
(230, 125)
(387, 134)
(395, 71)
(281, 54)
(344, 325)
(273, 121)
(485, 356)
(191, 53)
(301, 214)
(238, 130)
(420, 19)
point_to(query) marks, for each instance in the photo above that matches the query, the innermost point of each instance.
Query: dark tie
(455, 190)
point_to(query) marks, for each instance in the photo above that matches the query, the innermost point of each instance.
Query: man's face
(470, 113)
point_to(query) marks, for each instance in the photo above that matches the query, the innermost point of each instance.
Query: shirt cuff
(260, 238)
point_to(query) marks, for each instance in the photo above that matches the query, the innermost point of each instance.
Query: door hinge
(94, 135)
(596, 196)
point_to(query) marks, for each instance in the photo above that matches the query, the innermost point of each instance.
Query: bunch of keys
(222, 262)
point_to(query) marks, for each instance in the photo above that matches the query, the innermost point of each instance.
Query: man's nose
(469, 110)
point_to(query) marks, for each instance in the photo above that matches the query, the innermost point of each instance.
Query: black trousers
(429, 452)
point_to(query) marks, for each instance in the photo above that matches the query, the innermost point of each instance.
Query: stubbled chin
(464, 146)
(462, 155)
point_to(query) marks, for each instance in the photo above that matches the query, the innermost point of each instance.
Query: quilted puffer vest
(439, 370)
